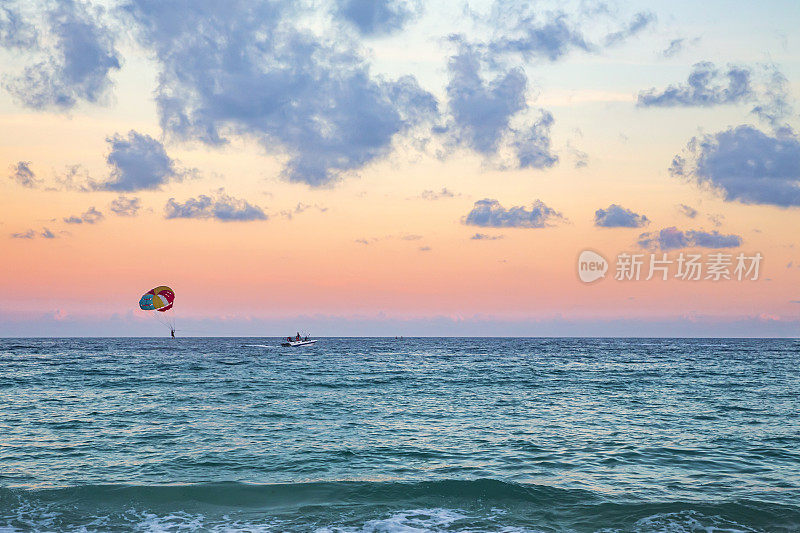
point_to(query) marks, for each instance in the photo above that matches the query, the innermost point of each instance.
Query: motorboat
(303, 342)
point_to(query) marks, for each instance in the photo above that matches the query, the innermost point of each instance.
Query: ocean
(400, 435)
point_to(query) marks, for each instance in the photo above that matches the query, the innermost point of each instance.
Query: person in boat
(298, 336)
(289, 339)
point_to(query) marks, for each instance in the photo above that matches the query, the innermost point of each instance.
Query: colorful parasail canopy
(158, 299)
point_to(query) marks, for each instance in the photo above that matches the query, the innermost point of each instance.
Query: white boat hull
(297, 343)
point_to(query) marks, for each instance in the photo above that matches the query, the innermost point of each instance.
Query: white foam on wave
(41, 519)
(30, 517)
(434, 520)
(688, 522)
(410, 521)
(187, 522)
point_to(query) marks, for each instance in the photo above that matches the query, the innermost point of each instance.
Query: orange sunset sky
(288, 166)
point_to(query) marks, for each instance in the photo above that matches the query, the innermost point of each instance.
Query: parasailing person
(160, 300)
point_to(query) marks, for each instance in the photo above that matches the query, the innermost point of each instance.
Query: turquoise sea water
(385, 435)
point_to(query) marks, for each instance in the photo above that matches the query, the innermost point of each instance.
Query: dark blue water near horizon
(400, 435)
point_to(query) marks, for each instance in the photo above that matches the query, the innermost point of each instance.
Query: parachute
(160, 300)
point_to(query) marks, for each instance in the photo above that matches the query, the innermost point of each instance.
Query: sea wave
(363, 506)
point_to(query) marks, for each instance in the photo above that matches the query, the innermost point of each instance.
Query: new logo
(591, 266)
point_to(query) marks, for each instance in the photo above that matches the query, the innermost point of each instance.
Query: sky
(399, 167)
